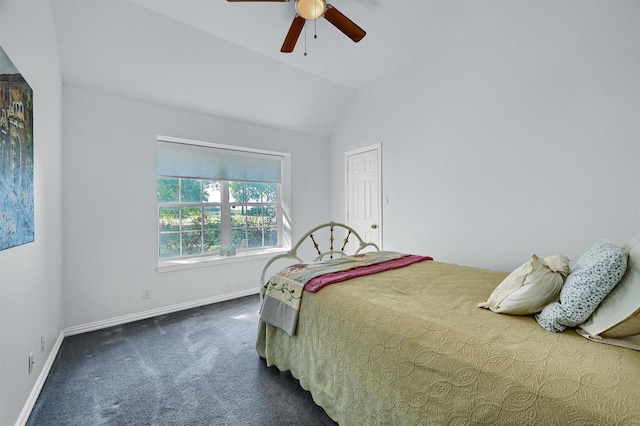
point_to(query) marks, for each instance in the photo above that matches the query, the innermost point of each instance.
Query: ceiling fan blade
(292, 36)
(344, 24)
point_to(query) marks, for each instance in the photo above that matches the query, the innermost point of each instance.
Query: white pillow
(531, 287)
(619, 313)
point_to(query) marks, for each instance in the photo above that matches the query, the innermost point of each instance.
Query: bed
(410, 346)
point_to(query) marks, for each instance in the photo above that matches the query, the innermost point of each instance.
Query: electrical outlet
(31, 362)
(42, 343)
(146, 293)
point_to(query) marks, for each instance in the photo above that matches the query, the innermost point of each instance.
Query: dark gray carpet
(195, 367)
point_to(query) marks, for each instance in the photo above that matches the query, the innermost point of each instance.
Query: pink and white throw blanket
(283, 291)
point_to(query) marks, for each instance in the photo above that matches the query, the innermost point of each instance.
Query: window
(218, 202)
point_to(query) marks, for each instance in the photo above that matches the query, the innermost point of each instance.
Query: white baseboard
(99, 325)
(37, 387)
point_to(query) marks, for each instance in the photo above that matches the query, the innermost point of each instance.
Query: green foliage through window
(199, 217)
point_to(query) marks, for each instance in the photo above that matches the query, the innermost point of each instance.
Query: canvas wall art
(16, 157)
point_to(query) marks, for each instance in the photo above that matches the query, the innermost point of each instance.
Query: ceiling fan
(312, 10)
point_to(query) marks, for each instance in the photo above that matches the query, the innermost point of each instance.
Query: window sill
(171, 265)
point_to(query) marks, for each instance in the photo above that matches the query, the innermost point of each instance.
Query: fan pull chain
(315, 21)
(305, 40)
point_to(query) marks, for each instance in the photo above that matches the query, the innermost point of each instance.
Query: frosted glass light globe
(310, 9)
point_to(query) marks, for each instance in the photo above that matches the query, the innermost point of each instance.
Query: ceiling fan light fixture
(311, 9)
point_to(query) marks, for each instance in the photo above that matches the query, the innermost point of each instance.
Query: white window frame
(283, 212)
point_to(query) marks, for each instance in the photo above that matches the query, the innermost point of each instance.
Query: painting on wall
(16, 157)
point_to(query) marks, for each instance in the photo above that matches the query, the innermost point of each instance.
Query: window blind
(195, 161)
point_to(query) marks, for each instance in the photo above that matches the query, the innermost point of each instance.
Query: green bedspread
(410, 347)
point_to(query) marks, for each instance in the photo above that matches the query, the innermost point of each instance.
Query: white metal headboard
(331, 252)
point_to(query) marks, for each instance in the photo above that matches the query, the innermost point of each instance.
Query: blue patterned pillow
(593, 277)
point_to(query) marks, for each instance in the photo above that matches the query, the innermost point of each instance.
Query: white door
(364, 192)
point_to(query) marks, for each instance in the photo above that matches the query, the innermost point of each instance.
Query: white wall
(110, 238)
(521, 137)
(31, 274)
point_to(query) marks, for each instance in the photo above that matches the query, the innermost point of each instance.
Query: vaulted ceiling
(223, 58)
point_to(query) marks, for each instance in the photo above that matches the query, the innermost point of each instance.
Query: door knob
(374, 226)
